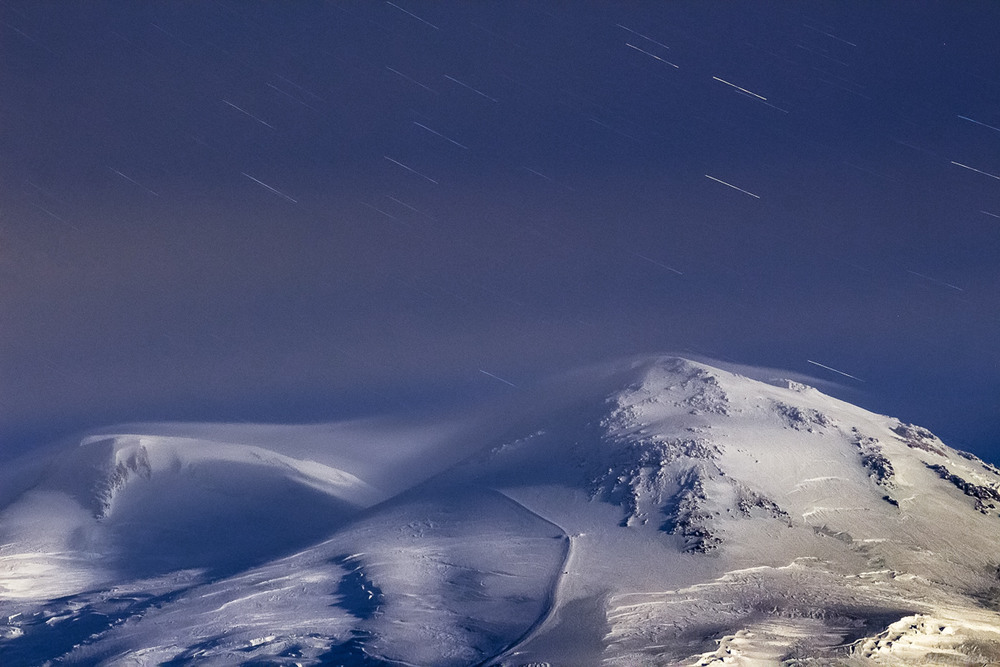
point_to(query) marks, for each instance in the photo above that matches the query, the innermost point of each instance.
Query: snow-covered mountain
(660, 511)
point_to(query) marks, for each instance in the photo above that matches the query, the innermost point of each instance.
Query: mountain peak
(663, 512)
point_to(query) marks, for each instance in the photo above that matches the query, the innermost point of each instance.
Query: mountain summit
(658, 512)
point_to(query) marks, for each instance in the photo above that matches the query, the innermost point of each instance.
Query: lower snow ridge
(946, 636)
(805, 613)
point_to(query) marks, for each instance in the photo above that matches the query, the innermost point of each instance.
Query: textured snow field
(657, 512)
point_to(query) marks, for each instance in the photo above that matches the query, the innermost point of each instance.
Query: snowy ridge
(113, 462)
(666, 513)
(146, 503)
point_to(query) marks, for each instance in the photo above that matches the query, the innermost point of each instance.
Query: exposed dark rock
(643, 474)
(918, 437)
(687, 518)
(750, 502)
(879, 467)
(984, 495)
(802, 419)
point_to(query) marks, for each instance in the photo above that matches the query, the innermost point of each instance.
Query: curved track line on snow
(552, 596)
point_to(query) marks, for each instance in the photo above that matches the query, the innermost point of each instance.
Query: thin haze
(299, 211)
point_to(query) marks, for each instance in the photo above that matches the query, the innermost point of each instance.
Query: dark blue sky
(299, 211)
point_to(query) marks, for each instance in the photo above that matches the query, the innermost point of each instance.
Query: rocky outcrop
(986, 496)
(802, 419)
(878, 465)
(917, 437)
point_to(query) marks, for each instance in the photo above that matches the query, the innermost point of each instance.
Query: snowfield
(655, 512)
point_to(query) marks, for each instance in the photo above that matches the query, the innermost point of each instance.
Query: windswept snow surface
(659, 511)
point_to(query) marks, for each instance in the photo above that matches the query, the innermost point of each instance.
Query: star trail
(230, 211)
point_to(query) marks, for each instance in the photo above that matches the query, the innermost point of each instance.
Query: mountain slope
(124, 506)
(660, 511)
(780, 513)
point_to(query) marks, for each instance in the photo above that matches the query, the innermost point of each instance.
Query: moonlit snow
(656, 511)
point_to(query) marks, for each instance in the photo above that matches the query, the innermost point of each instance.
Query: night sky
(284, 212)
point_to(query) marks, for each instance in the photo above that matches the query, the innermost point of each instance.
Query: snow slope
(135, 505)
(658, 511)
